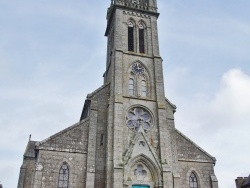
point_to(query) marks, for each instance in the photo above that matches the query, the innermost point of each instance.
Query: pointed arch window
(141, 38)
(138, 83)
(193, 183)
(131, 86)
(143, 88)
(63, 180)
(130, 36)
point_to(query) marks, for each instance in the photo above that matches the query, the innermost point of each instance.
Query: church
(126, 136)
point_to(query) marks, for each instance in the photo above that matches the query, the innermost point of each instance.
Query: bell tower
(140, 130)
(126, 136)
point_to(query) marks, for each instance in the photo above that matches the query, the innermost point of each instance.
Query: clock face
(137, 68)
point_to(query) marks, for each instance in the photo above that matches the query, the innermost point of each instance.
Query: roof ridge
(97, 90)
(61, 132)
(173, 105)
(247, 182)
(202, 150)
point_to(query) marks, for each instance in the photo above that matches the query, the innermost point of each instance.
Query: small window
(193, 183)
(143, 88)
(130, 37)
(102, 140)
(131, 86)
(141, 39)
(63, 180)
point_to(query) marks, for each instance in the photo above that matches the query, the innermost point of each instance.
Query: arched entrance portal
(140, 186)
(142, 172)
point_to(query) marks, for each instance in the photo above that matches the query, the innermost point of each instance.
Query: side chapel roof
(30, 150)
(198, 147)
(246, 183)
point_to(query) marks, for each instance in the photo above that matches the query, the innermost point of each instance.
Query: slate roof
(198, 147)
(246, 183)
(173, 105)
(61, 132)
(1, 186)
(30, 150)
(97, 90)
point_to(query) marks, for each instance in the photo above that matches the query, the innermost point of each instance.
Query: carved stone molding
(136, 14)
(139, 119)
(39, 167)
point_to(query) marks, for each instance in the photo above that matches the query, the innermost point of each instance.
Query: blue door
(140, 186)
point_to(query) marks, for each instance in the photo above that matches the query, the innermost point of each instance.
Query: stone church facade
(126, 136)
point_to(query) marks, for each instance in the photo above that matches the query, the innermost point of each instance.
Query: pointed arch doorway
(140, 186)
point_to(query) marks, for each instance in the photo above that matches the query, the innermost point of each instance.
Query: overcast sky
(53, 52)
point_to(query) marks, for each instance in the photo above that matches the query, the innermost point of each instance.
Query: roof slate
(30, 149)
(198, 147)
(247, 182)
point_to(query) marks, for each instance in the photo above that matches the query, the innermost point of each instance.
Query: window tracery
(63, 180)
(193, 183)
(137, 84)
(137, 118)
(140, 172)
(136, 37)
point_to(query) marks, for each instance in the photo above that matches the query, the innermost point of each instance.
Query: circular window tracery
(138, 117)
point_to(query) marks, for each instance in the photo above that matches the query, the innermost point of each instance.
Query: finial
(30, 137)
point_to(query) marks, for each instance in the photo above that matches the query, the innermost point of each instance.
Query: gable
(30, 150)
(141, 146)
(171, 109)
(72, 139)
(187, 150)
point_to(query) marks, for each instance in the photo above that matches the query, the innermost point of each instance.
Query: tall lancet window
(143, 88)
(141, 39)
(131, 86)
(130, 36)
(193, 183)
(63, 180)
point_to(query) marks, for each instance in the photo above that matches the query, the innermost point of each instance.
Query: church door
(140, 186)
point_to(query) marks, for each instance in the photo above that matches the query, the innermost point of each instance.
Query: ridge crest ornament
(139, 119)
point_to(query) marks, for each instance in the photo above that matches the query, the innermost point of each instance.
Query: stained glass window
(193, 183)
(63, 180)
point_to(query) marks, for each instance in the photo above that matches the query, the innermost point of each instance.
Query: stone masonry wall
(203, 172)
(51, 162)
(186, 149)
(101, 97)
(26, 173)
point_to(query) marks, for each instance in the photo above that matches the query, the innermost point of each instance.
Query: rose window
(139, 118)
